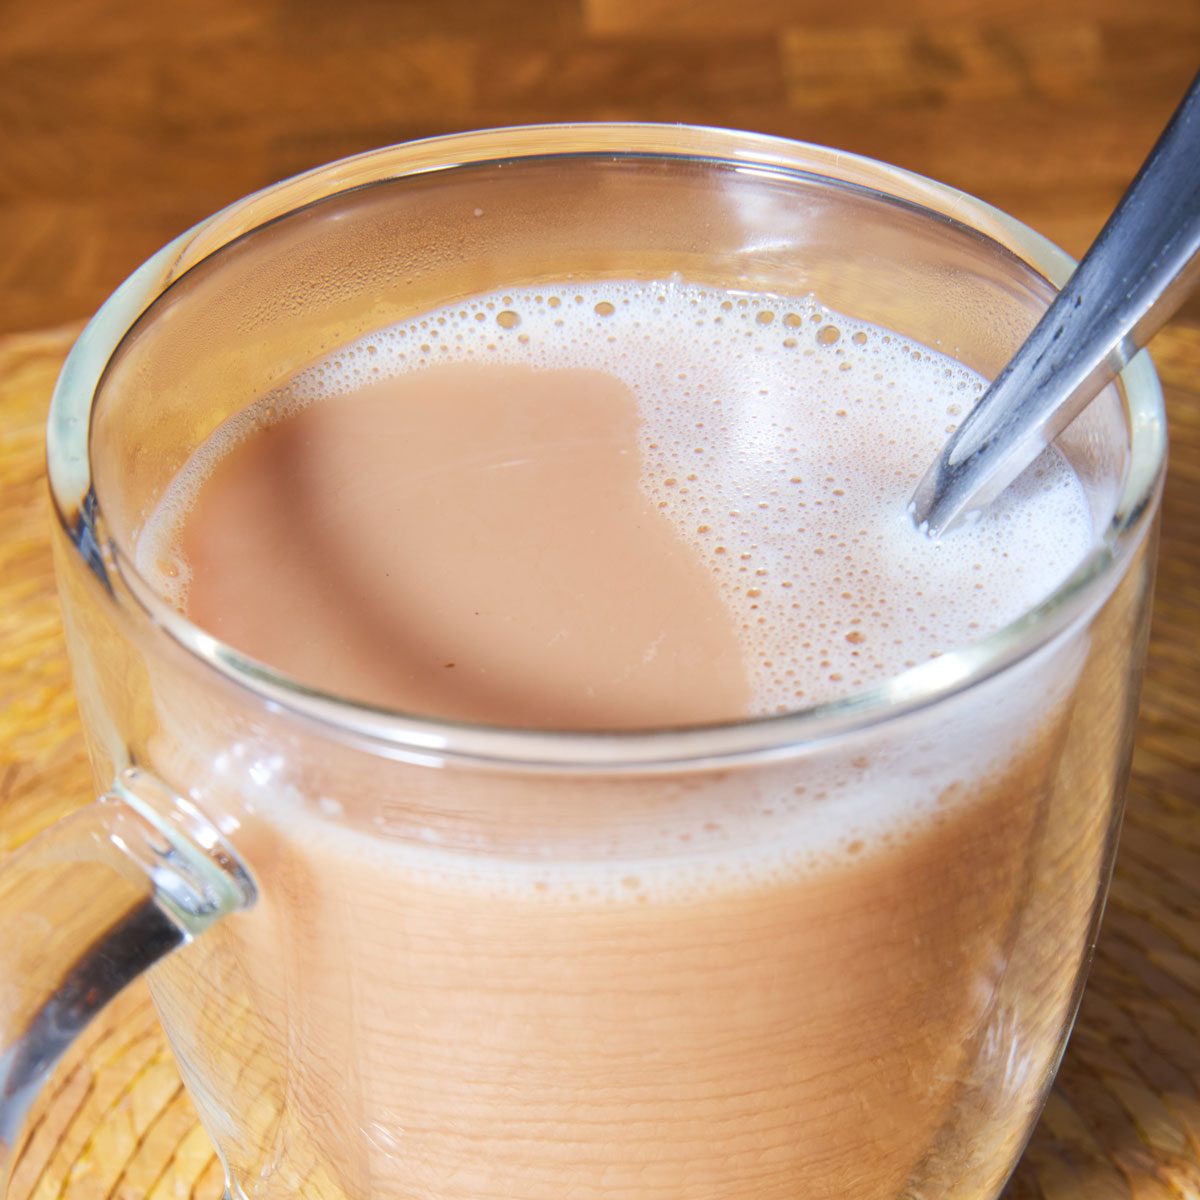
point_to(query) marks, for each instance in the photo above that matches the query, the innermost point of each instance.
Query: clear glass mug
(398, 957)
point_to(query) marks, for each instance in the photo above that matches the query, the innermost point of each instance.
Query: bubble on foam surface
(780, 438)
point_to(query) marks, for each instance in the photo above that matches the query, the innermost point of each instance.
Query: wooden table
(122, 122)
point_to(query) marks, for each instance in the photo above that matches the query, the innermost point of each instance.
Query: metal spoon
(1132, 279)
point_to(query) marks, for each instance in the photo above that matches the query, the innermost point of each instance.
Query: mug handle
(157, 873)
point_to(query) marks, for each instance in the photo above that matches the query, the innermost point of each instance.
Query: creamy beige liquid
(610, 507)
(469, 541)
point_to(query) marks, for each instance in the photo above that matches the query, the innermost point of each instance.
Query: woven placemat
(1123, 1122)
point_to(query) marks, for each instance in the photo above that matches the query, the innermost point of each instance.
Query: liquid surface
(603, 506)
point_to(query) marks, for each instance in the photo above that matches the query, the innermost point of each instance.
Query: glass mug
(399, 957)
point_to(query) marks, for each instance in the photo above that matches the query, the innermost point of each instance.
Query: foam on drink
(781, 440)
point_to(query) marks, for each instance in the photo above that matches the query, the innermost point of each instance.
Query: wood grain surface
(123, 122)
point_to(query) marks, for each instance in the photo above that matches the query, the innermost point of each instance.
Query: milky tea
(618, 506)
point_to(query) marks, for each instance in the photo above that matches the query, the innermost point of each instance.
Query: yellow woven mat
(1123, 1122)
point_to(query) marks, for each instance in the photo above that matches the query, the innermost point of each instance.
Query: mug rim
(435, 741)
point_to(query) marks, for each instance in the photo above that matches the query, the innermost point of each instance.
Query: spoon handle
(1130, 282)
